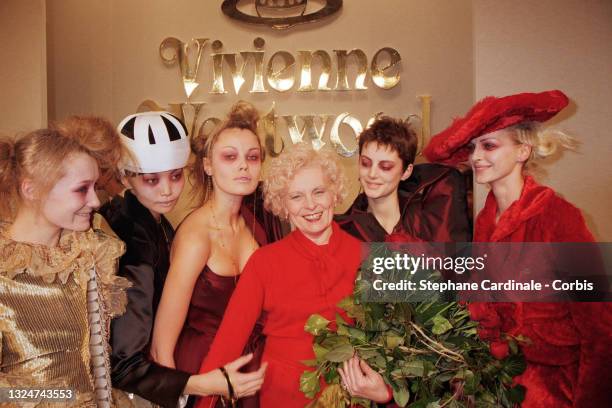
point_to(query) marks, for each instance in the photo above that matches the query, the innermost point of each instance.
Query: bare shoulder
(193, 235)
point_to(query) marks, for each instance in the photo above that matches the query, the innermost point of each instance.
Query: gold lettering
(283, 79)
(268, 124)
(362, 69)
(425, 133)
(179, 109)
(312, 130)
(180, 54)
(336, 141)
(379, 74)
(217, 58)
(306, 70)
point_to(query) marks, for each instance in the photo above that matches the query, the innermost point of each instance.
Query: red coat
(288, 281)
(570, 358)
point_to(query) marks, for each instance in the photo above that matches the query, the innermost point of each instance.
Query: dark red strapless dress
(210, 297)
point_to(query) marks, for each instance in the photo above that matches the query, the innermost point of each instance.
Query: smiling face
(235, 162)
(310, 204)
(496, 156)
(158, 192)
(72, 199)
(381, 170)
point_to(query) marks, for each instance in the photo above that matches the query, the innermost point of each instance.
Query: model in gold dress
(58, 290)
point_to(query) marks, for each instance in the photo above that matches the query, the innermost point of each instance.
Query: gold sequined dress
(48, 296)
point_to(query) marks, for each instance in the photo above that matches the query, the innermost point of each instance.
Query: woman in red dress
(307, 272)
(213, 243)
(568, 353)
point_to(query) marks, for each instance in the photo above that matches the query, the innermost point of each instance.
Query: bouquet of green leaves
(428, 352)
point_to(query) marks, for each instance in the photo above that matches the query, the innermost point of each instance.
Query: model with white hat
(153, 175)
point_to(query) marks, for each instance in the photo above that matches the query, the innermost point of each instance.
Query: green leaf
(367, 354)
(309, 383)
(377, 311)
(413, 368)
(362, 402)
(340, 353)
(516, 394)
(471, 384)
(513, 345)
(331, 374)
(310, 363)
(334, 341)
(393, 339)
(441, 325)
(316, 324)
(357, 334)
(423, 402)
(342, 330)
(401, 396)
(514, 365)
(444, 377)
(319, 351)
(346, 303)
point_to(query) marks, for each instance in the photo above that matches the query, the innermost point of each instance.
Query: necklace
(166, 240)
(223, 246)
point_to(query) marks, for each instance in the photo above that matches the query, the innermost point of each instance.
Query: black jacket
(145, 263)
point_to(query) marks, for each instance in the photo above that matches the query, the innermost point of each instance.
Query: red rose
(499, 349)
(488, 334)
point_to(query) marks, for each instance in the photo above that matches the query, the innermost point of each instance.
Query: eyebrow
(235, 148)
(380, 161)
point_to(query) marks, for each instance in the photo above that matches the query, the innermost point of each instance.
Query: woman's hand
(214, 382)
(360, 380)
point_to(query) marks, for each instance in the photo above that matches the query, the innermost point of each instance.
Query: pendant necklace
(223, 246)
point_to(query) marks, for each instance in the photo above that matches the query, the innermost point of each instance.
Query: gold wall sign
(343, 133)
(257, 72)
(282, 71)
(280, 14)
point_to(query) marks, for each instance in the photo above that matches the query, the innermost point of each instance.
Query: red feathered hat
(489, 115)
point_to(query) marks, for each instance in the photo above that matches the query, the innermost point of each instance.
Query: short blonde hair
(544, 141)
(288, 163)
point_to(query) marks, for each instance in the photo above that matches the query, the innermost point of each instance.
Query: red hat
(489, 115)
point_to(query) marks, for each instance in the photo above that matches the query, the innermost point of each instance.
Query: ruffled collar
(532, 202)
(310, 249)
(74, 255)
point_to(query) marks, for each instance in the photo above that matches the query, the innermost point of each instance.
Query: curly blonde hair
(544, 141)
(284, 167)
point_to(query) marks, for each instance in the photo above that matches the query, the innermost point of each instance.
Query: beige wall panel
(565, 44)
(106, 59)
(23, 79)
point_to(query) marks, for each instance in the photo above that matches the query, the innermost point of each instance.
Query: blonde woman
(214, 242)
(58, 289)
(568, 348)
(307, 272)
